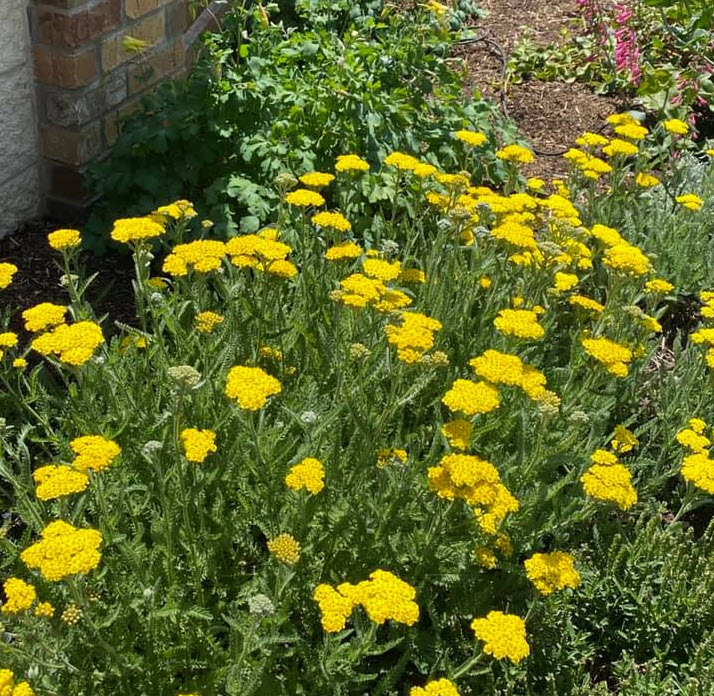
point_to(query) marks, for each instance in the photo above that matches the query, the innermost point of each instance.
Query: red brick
(138, 8)
(74, 147)
(65, 69)
(69, 30)
(113, 120)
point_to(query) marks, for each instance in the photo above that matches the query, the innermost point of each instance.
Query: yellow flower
(675, 126)
(591, 140)
(308, 474)
(23, 689)
(690, 201)
(658, 285)
(335, 221)
(699, 469)
(610, 483)
(384, 597)
(627, 259)
(178, 210)
(381, 269)
(94, 452)
(285, 548)
(401, 161)
(485, 557)
(389, 456)
(694, 439)
(304, 198)
(8, 339)
(136, 229)
(585, 303)
(414, 337)
(612, 355)
(474, 139)
(697, 425)
(621, 120)
(64, 239)
(515, 234)
(351, 163)
(44, 610)
(485, 282)
(471, 397)
(73, 344)
(521, 323)
(412, 276)
(504, 636)
(624, 440)
(551, 571)
(647, 180)
(7, 271)
(607, 235)
(20, 596)
(63, 551)
(335, 608)
(565, 281)
(43, 316)
(515, 153)
(619, 147)
(198, 444)
(58, 480)
(440, 687)
(458, 433)
(632, 131)
(207, 321)
(19, 363)
(203, 255)
(251, 387)
(317, 179)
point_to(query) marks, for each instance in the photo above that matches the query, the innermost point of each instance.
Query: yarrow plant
(456, 449)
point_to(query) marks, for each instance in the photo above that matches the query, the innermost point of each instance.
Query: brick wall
(86, 80)
(19, 182)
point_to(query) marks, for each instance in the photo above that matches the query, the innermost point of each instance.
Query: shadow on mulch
(39, 272)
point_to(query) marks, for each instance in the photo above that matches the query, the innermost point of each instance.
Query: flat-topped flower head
(64, 239)
(614, 356)
(317, 179)
(178, 210)
(203, 256)
(698, 468)
(309, 475)
(94, 452)
(58, 480)
(285, 548)
(351, 163)
(336, 221)
(20, 596)
(521, 323)
(610, 483)
(552, 571)
(63, 551)
(620, 148)
(251, 387)
(304, 198)
(690, 201)
(7, 271)
(516, 154)
(136, 229)
(440, 687)
(207, 321)
(504, 636)
(44, 316)
(471, 398)
(73, 344)
(198, 444)
(344, 251)
(472, 138)
(676, 127)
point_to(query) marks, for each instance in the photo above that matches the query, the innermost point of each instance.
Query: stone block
(74, 109)
(78, 27)
(20, 196)
(72, 70)
(149, 29)
(14, 36)
(74, 147)
(18, 139)
(167, 60)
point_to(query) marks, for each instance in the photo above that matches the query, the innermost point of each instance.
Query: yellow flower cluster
(592, 167)
(57, 480)
(7, 271)
(624, 440)
(64, 239)
(458, 433)
(44, 610)
(676, 127)
(317, 179)
(351, 163)
(632, 131)
(336, 221)
(383, 597)
(73, 344)
(345, 250)
(136, 229)
(697, 466)
(690, 201)
(9, 688)
(472, 138)
(203, 255)
(627, 258)
(620, 148)
(440, 687)
(501, 368)
(44, 316)
(207, 321)
(390, 456)
(251, 387)
(504, 636)
(19, 595)
(94, 452)
(609, 480)
(198, 444)
(471, 398)
(358, 290)
(285, 548)
(552, 571)
(612, 355)
(8, 339)
(304, 198)
(646, 180)
(414, 337)
(308, 474)
(64, 551)
(521, 323)
(178, 210)
(261, 252)
(476, 481)
(515, 153)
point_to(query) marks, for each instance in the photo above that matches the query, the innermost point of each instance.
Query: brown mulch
(39, 272)
(550, 115)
